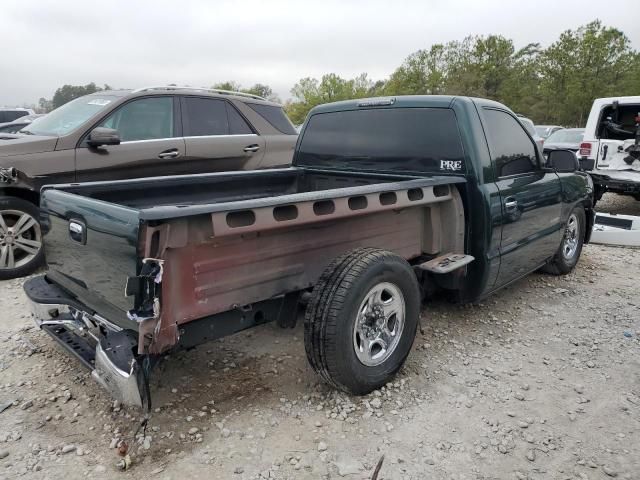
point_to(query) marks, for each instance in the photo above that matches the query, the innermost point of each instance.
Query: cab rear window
(384, 139)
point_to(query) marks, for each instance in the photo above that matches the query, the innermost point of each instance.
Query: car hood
(16, 144)
(561, 146)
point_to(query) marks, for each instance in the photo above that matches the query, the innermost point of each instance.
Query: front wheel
(568, 254)
(21, 251)
(361, 320)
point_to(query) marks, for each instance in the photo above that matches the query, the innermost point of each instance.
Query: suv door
(531, 197)
(218, 137)
(151, 142)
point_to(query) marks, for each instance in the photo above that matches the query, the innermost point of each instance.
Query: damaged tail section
(146, 288)
(8, 176)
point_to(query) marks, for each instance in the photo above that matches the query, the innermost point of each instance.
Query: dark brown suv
(115, 135)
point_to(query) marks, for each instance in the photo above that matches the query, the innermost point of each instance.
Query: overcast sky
(133, 43)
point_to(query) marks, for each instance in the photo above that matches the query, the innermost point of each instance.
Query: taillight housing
(585, 149)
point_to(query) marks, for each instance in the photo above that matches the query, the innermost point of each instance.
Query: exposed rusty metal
(211, 267)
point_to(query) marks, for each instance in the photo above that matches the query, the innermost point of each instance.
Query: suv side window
(143, 119)
(237, 124)
(511, 149)
(209, 116)
(275, 116)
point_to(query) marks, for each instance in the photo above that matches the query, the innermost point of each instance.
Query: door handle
(251, 148)
(511, 204)
(172, 153)
(78, 231)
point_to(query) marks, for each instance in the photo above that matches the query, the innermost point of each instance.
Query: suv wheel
(21, 251)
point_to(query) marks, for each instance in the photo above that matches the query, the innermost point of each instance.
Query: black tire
(561, 264)
(25, 263)
(332, 313)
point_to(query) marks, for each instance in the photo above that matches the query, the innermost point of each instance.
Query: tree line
(555, 85)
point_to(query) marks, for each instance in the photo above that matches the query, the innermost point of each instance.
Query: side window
(275, 116)
(511, 148)
(204, 117)
(237, 124)
(144, 119)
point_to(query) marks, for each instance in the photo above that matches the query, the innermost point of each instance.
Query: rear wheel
(568, 254)
(361, 320)
(21, 251)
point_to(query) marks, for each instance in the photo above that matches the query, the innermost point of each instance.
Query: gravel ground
(541, 381)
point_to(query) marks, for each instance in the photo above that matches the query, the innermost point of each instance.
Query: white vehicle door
(617, 134)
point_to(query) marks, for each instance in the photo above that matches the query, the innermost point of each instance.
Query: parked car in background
(529, 126)
(545, 131)
(115, 135)
(611, 146)
(565, 139)
(19, 124)
(9, 114)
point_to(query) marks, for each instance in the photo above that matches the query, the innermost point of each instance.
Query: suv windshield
(67, 117)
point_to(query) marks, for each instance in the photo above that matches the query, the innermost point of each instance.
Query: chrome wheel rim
(20, 239)
(378, 327)
(571, 237)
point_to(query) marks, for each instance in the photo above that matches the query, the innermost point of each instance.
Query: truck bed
(180, 196)
(233, 239)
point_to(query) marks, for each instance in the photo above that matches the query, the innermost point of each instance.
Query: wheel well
(23, 193)
(588, 212)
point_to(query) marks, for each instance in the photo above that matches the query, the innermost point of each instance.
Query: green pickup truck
(390, 202)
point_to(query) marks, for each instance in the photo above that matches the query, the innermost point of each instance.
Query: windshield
(543, 131)
(528, 125)
(566, 136)
(70, 115)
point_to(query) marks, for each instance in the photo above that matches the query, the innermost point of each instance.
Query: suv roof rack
(200, 89)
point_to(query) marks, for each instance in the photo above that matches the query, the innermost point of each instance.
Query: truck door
(531, 197)
(151, 144)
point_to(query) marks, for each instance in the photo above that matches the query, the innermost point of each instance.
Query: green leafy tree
(258, 89)
(229, 85)
(44, 105)
(66, 93)
(309, 92)
(590, 62)
(263, 91)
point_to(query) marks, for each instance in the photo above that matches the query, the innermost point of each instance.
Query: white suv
(611, 146)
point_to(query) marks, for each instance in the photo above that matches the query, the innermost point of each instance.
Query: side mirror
(563, 161)
(103, 136)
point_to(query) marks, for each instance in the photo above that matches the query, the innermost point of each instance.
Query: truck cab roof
(404, 101)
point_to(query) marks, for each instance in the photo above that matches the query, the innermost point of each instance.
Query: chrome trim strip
(222, 136)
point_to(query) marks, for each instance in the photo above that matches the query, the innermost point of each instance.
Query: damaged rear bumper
(99, 345)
